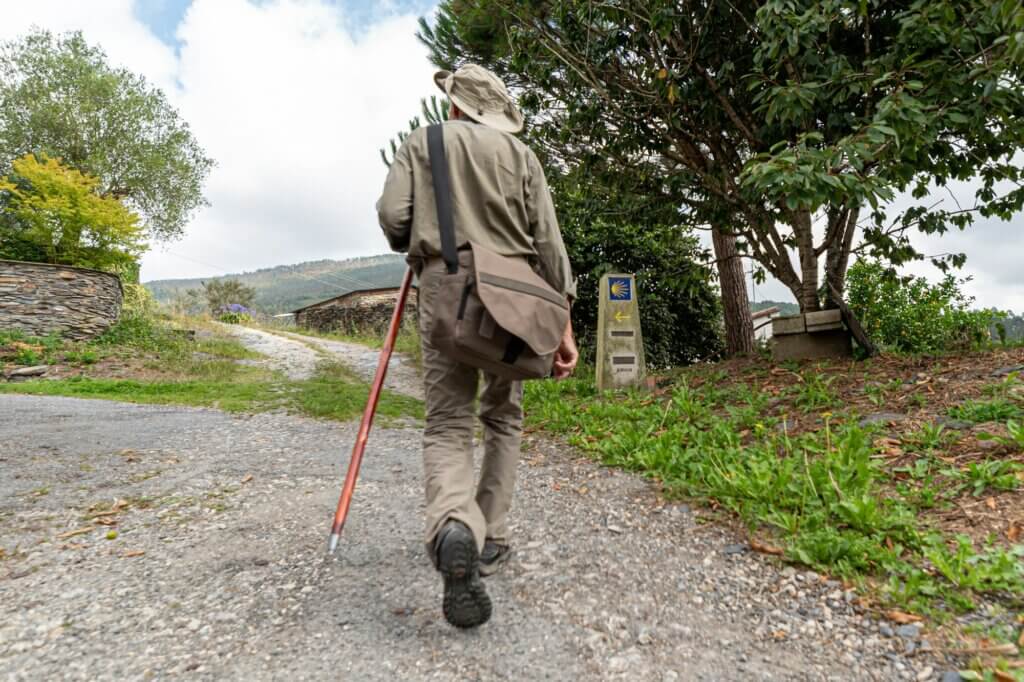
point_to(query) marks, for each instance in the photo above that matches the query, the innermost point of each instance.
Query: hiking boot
(466, 604)
(493, 557)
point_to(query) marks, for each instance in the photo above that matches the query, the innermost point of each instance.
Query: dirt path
(295, 360)
(297, 356)
(218, 567)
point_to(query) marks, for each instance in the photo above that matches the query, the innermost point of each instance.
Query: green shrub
(138, 301)
(909, 315)
(235, 318)
(981, 411)
(27, 356)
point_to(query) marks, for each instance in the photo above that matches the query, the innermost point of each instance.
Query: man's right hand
(566, 356)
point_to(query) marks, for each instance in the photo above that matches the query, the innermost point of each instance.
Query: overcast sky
(293, 98)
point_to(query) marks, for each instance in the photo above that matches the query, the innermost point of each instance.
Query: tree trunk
(838, 258)
(739, 328)
(808, 295)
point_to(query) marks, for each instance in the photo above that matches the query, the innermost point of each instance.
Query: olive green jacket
(500, 200)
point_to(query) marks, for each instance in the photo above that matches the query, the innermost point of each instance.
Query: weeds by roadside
(851, 500)
(331, 394)
(148, 358)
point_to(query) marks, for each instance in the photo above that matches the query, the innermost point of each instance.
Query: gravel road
(218, 568)
(297, 356)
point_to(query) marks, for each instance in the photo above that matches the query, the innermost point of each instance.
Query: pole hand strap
(442, 195)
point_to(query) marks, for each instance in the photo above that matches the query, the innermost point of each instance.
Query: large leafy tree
(786, 124)
(619, 227)
(220, 293)
(59, 96)
(54, 214)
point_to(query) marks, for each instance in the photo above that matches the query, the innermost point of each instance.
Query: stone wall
(41, 299)
(357, 314)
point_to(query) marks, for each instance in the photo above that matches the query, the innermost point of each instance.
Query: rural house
(360, 311)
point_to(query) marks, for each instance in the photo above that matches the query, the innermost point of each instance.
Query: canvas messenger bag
(494, 312)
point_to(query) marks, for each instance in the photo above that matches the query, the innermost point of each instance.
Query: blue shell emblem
(620, 289)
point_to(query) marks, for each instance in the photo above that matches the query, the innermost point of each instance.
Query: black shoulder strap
(442, 195)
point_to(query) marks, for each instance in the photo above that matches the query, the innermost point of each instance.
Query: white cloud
(109, 23)
(291, 105)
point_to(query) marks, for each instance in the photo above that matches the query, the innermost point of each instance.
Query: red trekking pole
(368, 413)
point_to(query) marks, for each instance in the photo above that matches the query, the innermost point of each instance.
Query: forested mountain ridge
(287, 287)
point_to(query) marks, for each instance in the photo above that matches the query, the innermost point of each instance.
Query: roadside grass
(158, 343)
(331, 394)
(183, 361)
(233, 396)
(784, 451)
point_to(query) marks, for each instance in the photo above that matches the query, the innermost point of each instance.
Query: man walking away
(500, 201)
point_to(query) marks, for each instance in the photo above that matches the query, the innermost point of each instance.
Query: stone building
(41, 299)
(366, 311)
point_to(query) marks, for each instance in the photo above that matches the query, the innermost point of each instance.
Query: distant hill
(784, 308)
(287, 287)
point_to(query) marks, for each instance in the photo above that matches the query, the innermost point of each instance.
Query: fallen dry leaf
(105, 521)
(889, 446)
(779, 634)
(120, 504)
(73, 533)
(991, 503)
(1004, 676)
(109, 512)
(902, 618)
(134, 553)
(246, 478)
(764, 547)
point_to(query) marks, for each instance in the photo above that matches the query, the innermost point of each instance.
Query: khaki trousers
(451, 391)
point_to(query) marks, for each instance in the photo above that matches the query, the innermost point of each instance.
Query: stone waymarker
(620, 345)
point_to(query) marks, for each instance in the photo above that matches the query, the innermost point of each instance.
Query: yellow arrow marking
(619, 317)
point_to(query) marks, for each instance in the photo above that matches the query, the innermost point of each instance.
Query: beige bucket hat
(482, 96)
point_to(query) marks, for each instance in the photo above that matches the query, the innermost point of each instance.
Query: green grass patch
(981, 411)
(824, 496)
(230, 348)
(332, 394)
(335, 393)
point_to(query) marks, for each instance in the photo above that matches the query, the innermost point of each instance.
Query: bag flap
(520, 301)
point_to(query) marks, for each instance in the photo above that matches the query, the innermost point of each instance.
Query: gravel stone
(1006, 371)
(909, 631)
(228, 579)
(882, 418)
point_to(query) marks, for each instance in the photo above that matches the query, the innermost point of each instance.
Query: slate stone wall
(40, 299)
(357, 314)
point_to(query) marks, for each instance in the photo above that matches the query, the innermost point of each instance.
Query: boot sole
(466, 604)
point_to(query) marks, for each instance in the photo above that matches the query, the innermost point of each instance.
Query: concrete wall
(41, 299)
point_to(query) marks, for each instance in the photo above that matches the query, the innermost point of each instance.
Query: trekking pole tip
(332, 544)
